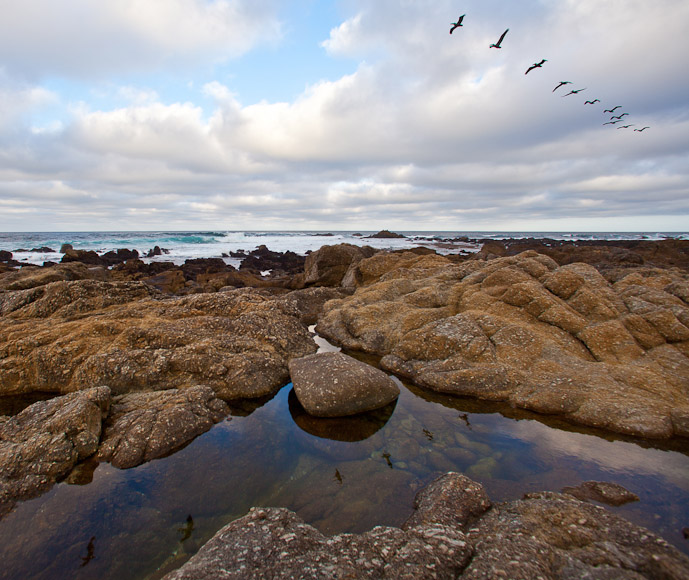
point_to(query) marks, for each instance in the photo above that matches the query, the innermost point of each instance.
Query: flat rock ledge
(332, 384)
(454, 532)
(42, 444)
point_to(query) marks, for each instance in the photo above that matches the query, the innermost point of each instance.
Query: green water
(341, 475)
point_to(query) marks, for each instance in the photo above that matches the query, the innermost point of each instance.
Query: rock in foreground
(44, 442)
(145, 426)
(332, 384)
(454, 533)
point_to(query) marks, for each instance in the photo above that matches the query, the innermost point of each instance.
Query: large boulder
(332, 384)
(454, 533)
(330, 265)
(42, 444)
(145, 426)
(554, 339)
(60, 337)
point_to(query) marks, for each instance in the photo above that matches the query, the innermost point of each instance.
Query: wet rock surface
(553, 339)
(332, 384)
(63, 336)
(454, 533)
(42, 444)
(602, 491)
(146, 426)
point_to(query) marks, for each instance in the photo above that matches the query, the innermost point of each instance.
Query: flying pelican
(574, 92)
(592, 102)
(535, 65)
(641, 130)
(457, 24)
(499, 42)
(562, 83)
(618, 116)
(612, 110)
(625, 126)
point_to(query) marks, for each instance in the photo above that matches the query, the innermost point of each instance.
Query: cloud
(84, 39)
(429, 130)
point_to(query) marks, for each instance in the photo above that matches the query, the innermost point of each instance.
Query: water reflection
(353, 428)
(340, 475)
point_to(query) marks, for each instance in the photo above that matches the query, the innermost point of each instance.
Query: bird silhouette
(562, 83)
(499, 42)
(618, 116)
(612, 110)
(535, 65)
(641, 130)
(625, 126)
(592, 102)
(612, 122)
(574, 92)
(457, 24)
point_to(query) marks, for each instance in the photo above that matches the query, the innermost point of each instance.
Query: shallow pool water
(341, 475)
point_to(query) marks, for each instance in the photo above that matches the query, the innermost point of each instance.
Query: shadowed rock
(332, 384)
(41, 445)
(454, 533)
(145, 426)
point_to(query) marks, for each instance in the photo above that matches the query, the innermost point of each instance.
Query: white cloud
(94, 39)
(429, 129)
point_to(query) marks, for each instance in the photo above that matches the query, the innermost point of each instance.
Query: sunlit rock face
(67, 336)
(554, 339)
(454, 532)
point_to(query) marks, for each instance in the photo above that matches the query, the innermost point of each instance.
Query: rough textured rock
(145, 426)
(42, 444)
(331, 265)
(332, 384)
(33, 276)
(602, 491)
(310, 301)
(457, 535)
(62, 336)
(554, 339)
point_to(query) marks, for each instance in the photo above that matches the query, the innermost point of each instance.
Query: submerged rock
(553, 339)
(146, 426)
(602, 491)
(332, 384)
(42, 444)
(454, 533)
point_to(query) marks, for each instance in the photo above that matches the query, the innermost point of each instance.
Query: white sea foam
(182, 246)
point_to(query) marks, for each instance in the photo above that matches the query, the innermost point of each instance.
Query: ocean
(27, 247)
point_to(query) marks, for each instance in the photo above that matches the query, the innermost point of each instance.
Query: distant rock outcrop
(554, 339)
(385, 234)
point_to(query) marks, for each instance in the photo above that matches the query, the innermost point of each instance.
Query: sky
(343, 115)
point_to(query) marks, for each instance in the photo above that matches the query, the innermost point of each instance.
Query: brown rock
(553, 339)
(145, 426)
(602, 491)
(60, 337)
(329, 265)
(332, 384)
(41, 445)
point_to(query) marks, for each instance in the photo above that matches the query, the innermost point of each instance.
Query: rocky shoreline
(137, 359)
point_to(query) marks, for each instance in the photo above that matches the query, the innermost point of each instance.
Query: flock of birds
(614, 119)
